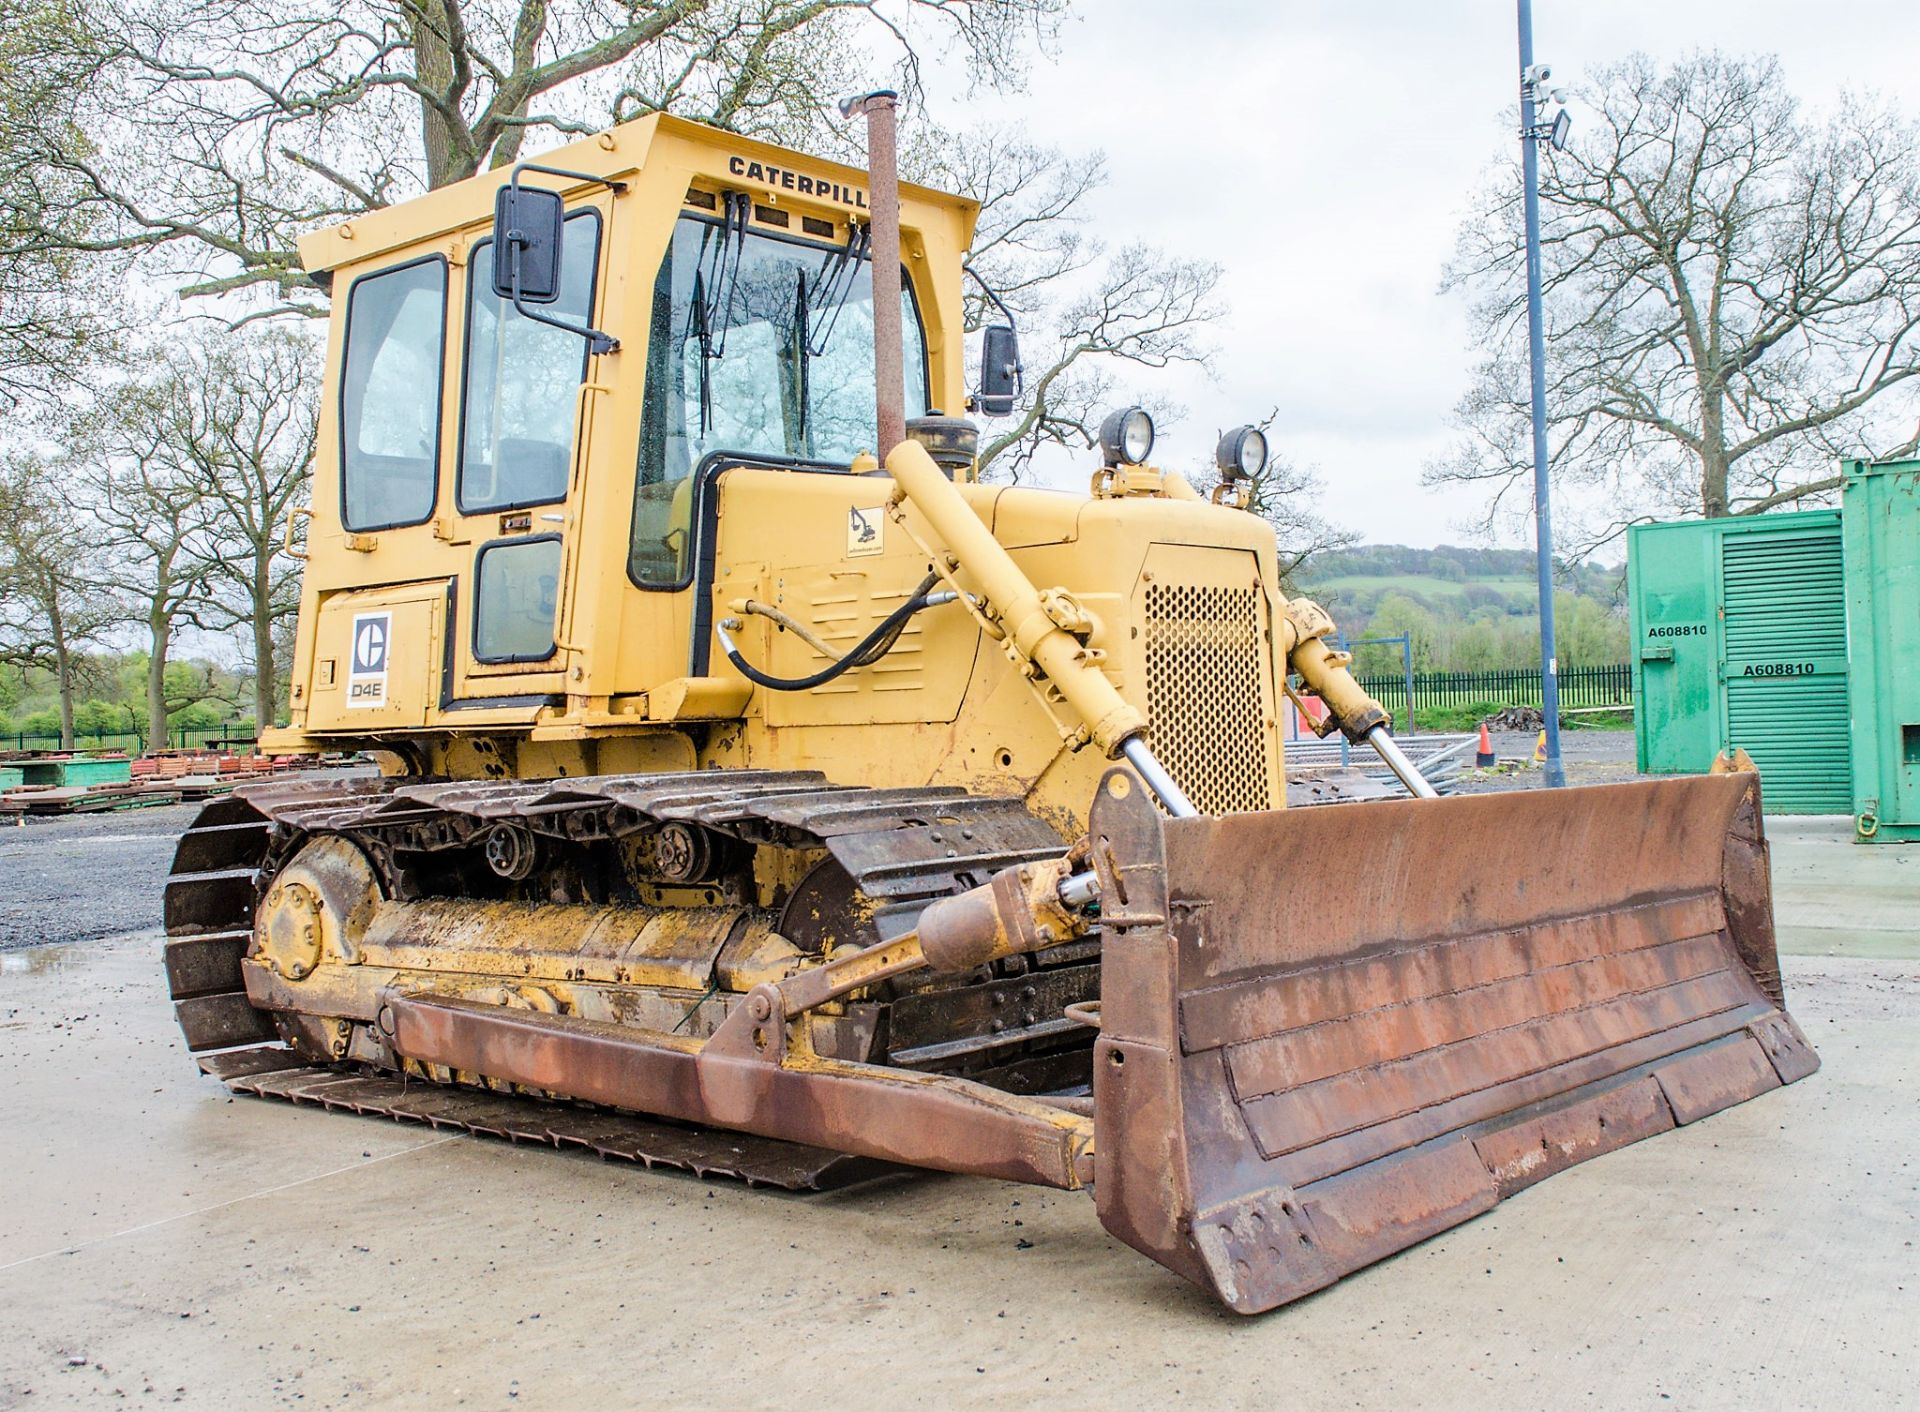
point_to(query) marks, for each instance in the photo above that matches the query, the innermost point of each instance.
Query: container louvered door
(1784, 665)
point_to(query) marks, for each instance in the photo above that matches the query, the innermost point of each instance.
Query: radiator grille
(1206, 677)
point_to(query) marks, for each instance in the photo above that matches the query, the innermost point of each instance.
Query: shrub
(41, 723)
(197, 717)
(98, 717)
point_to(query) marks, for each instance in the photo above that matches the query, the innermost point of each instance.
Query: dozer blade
(1327, 1034)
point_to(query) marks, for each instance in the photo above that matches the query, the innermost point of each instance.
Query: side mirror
(1000, 379)
(526, 243)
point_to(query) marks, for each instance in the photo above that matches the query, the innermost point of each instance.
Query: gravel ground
(1590, 757)
(87, 876)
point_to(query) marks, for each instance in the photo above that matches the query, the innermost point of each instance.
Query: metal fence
(1610, 685)
(196, 738)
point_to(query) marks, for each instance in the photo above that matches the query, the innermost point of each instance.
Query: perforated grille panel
(1206, 694)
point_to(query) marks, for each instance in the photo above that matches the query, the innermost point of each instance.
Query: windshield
(756, 345)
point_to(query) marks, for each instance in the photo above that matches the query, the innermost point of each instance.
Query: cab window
(523, 380)
(759, 345)
(515, 602)
(390, 396)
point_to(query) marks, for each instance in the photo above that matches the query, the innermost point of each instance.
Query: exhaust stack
(881, 110)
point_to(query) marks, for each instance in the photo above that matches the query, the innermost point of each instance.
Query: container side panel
(1882, 514)
(1671, 587)
(1784, 660)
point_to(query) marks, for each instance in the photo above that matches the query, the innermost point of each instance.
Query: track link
(274, 1071)
(902, 847)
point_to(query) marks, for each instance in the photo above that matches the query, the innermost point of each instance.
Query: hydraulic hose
(864, 653)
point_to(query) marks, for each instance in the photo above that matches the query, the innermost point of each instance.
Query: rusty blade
(1329, 1034)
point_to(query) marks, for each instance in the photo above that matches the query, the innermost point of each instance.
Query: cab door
(524, 424)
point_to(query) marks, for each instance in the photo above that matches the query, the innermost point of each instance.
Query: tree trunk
(265, 679)
(507, 150)
(62, 664)
(1713, 458)
(433, 65)
(527, 30)
(157, 680)
(66, 701)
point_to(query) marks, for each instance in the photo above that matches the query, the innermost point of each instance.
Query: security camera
(1560, 95)
(1537, 73)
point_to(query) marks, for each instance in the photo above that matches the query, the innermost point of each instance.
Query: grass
(1468, 715)
(1464, 717)
(1621, 720)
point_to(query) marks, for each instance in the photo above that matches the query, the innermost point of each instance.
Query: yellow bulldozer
(763, 793)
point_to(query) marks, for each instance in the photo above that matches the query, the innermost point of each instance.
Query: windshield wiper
(803, 357)
(712, 312)
(829, 295)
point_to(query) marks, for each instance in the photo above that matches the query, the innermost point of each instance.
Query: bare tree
(241, 414)
(149, 515)
(1731, 293)
(208, 134)
(48, 325)
(1089, 314)
(55, 599)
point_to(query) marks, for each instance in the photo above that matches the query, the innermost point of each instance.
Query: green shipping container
(77, 772)
(1740, 641)
(1881, 502)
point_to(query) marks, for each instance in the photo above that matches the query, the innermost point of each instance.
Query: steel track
(902, 847)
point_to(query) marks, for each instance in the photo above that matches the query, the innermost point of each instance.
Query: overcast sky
(1324, 154)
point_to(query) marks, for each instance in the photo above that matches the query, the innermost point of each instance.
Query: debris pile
(1518, 718)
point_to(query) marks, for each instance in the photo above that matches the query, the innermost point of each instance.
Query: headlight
(1241, 452)
(1126, 437)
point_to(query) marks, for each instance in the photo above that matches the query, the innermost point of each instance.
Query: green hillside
(1467, 609)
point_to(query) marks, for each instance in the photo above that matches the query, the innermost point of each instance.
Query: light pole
(1532, 133)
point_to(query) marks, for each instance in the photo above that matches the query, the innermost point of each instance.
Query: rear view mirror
(999, 372)
(526, 244)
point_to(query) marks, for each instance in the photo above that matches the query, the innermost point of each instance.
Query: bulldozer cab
(698, 302)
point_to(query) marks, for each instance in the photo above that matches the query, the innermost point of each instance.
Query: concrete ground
(162, 1243)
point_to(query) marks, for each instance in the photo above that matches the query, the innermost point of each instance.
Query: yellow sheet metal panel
(823, 549)
(378, 657)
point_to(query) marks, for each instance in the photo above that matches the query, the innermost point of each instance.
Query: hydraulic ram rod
(1158, 780)
(1397, 761)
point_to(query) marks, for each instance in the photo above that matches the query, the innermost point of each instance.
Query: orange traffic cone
(1540, 749)
(1484, 756)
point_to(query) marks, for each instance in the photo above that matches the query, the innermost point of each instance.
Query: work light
(1126, 437)
(1241, 452)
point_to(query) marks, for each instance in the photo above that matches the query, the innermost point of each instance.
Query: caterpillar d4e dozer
(756, 805)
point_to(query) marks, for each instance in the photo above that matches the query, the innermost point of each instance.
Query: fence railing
(190, 738)
(1609, 685)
